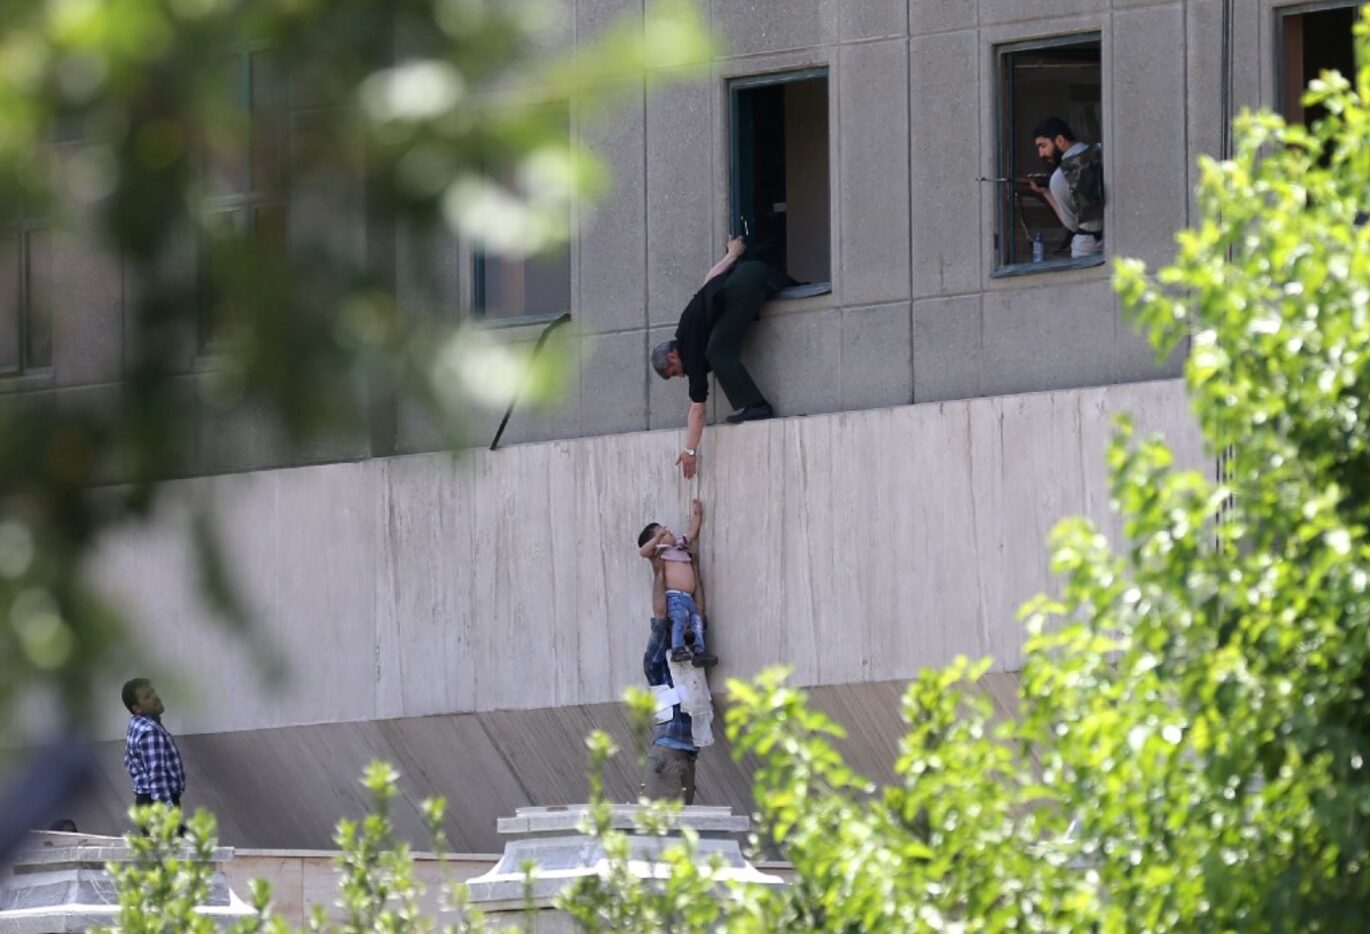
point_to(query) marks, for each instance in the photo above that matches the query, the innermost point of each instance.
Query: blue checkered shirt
(152, 760)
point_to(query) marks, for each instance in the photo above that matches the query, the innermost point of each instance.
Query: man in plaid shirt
(150, 754)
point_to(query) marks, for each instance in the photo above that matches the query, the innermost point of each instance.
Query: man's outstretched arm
(694, 432)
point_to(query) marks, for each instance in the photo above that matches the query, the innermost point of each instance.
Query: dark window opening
(1313, 41)
(26, 299)
(780, 197)
(508, 288)
(1061, 78)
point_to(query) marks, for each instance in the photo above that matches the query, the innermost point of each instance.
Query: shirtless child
(671, 558)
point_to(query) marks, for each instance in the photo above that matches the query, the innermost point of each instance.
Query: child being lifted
(672, 558)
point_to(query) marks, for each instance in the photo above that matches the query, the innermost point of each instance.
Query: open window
(531, 288)
(1312, 38)
(26, 293)
(1053, 78)
(246, 163)
(780, 200)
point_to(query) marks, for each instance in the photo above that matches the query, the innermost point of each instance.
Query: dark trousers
(670, 775)
(746, 289)
(147, 799)
(143, 800)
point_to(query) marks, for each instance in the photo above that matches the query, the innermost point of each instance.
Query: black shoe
(752, 413)
(681, 654)
(704, 660)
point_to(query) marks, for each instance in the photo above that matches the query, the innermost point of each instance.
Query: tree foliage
(1189, 749)
(246, 167)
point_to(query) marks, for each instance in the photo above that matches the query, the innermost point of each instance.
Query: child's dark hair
(647, 533)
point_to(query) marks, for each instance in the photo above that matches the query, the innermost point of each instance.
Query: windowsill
(811, 297)
(807, 290)
(31, 379)
(1051, 265)
(523, 321)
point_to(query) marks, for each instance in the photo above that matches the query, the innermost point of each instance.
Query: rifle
(1016, 180)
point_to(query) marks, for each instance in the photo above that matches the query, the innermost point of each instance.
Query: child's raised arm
(696, 518)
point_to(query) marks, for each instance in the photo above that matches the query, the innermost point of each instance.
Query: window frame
(1003, 152)
(473, 258)
(1283, 13)
(22, 231)
(250, 201)
(734, 86)
(477, 292)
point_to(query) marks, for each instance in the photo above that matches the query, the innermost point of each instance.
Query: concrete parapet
(59, 882)
(532, 872)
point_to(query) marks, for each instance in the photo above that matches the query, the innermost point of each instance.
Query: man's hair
(130, 692)
(1052, 127)
(659, 361)
(647, 533)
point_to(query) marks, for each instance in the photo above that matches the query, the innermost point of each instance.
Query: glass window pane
(539, 285)
(509, 288)
(222, 228)
(38, 308)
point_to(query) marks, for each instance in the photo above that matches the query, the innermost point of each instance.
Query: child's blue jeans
(681, 611)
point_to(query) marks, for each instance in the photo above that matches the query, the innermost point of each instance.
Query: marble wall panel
(945, 157)
(854, 547)
(681, 237)
(877, 357)
(927, 16)
(871, 19)
(749, 27)
(1147, 180)
(872, 156)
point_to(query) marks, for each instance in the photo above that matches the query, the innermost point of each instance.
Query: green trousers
(748, 286)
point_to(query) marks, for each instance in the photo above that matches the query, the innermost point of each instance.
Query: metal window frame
(249, 199)
(1003, 113)
(478, 258)
(22, 230)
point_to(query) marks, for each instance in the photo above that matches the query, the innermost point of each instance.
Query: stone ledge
(571, 817)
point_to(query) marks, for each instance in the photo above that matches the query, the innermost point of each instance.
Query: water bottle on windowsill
(1039, 247)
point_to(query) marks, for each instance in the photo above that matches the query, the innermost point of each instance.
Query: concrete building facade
(946, 400)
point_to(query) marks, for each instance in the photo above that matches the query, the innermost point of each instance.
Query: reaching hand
(687, 464)
(696, 510)
(736, 246)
